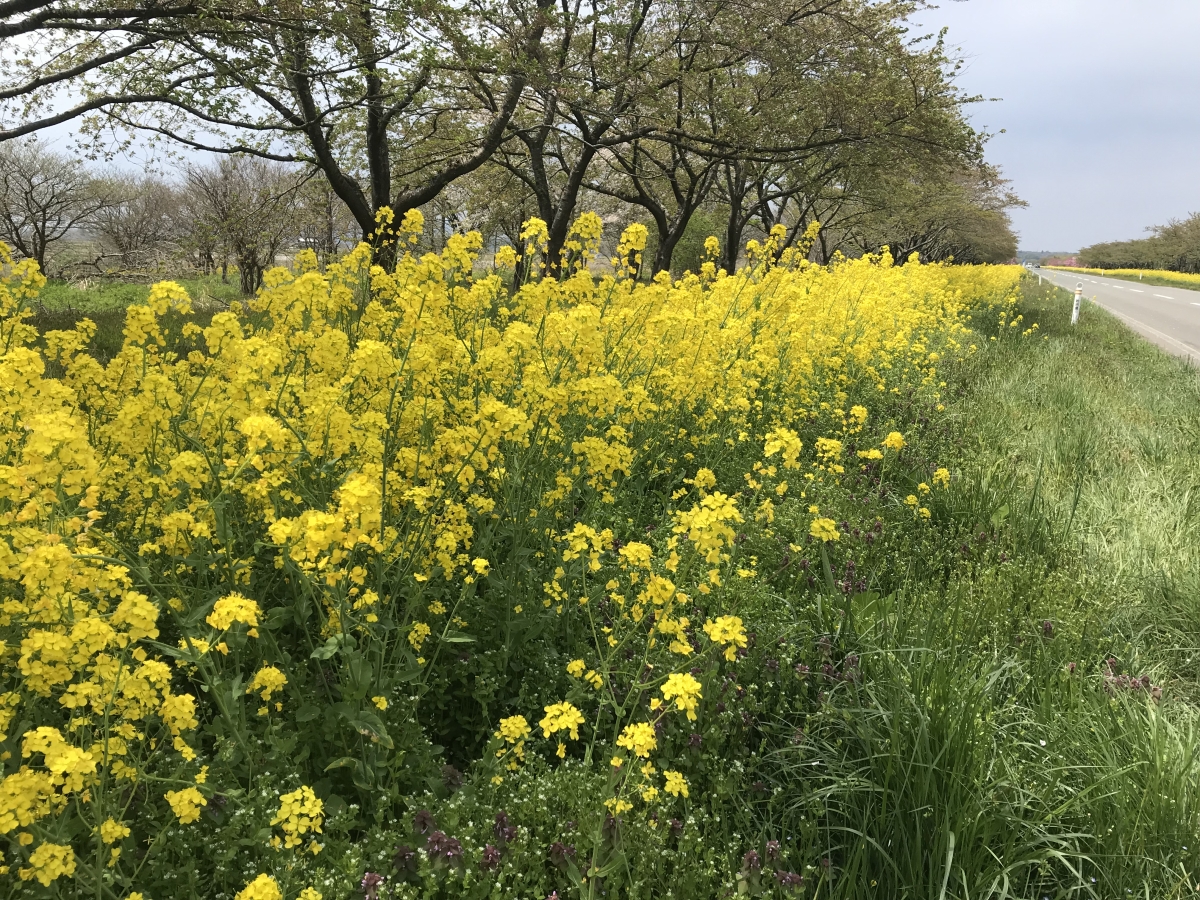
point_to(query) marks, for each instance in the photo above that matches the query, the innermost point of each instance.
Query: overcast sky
(1101, 102)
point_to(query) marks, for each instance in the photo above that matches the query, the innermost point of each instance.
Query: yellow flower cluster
(264, 887)
(729, 632)
(1187, 279)
(186, 804)
(638, 739)
(684, 690)
(299, 815)
(676, 784)
(49, 862)
(512, 733)
(824, 530)
(339, 440)
(561, 717)
(267, 681)
(577, 668)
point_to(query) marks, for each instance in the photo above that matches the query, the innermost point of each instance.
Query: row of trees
(1174, 247)
(746, 113)
(236, 210)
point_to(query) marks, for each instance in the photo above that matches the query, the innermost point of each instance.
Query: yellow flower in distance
(729, 632)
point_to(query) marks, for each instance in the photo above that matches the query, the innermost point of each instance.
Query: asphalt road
(1170, 317)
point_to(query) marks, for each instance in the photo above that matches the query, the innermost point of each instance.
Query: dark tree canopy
(755, 112)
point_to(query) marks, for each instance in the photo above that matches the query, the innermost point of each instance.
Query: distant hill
(1038, 256)
(1032, 256)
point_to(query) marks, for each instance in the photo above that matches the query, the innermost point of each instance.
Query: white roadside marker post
(1078, 298)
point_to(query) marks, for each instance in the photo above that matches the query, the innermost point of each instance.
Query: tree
(778, 111)
(140, 225)
(1174, 247)
(588, 96)
(247, 204)
(44, 197)
(60, 57)
(391, 101)
(321, 221)
(765, 105)
(845, 90)
(963, 216)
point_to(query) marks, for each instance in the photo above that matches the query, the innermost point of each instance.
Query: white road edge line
(1163, 297)
(1136, 291)
(1190, 351)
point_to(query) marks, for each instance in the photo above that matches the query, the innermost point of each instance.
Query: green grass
(61, 304)
(95, 295)
(1106, 427)
(991, 749)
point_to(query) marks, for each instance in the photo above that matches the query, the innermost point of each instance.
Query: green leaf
(999, 516)
(370, 723)
(328, 649)
(168, 650)
(277, 617)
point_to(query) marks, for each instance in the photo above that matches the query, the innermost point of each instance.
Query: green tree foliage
(768, 112)
(1174, 247)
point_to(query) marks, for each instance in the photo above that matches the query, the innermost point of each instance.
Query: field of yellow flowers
(1155, 276)
(426, 583)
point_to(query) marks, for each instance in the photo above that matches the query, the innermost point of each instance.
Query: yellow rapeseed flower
(264, 887)
(684, 690)
(638, 739)
(300, 813)
(233, 608)
(729, 632)
(514, 729)
(266, 682)
(824, 530)
(676, 785)
(561, 717)
(48, 863)
(186, 804)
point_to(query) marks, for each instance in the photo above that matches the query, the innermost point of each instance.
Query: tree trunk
(564, 209)
(733, 239)
(736, 188)
(250, 272)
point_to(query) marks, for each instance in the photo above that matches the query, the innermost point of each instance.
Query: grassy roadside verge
(1029, 723)
(1087, 445)
(1103, 430)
